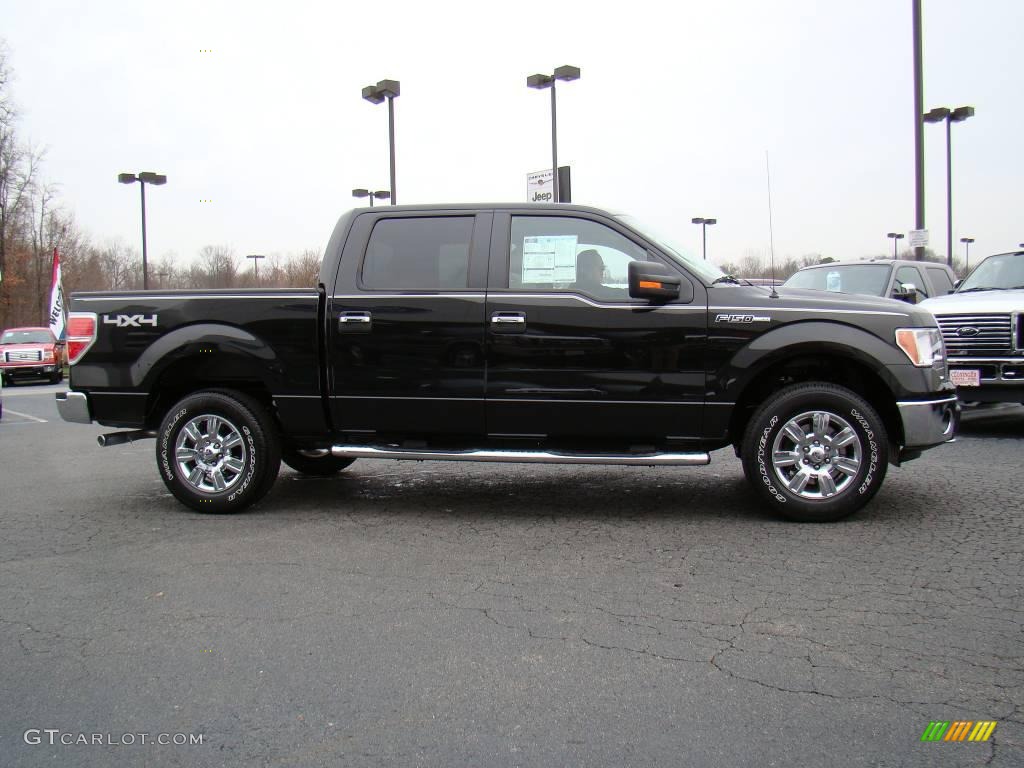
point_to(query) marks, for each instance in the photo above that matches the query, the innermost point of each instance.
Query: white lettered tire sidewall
(769, 419)
(261, 452)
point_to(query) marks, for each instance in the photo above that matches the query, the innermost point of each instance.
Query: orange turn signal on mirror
(650, 284)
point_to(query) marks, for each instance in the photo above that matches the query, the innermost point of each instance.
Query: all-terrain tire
(218, 451)
(815, 452)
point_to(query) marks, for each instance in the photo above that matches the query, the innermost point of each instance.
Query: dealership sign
(540, 187)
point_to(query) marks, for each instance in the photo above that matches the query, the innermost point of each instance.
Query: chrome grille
(28, 356)
(993, 335)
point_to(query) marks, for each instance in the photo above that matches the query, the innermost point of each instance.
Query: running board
(524, 457)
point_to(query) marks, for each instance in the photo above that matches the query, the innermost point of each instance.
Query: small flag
(57, 301)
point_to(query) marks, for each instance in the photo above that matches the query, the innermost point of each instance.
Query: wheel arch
(833, 364)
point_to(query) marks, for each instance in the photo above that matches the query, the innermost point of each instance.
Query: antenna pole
(771, 231)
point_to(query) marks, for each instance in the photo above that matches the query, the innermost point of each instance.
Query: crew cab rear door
(569, 361)
(405, 325)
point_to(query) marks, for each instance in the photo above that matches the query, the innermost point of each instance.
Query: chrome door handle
(508, 318)
(355, 322)
(347, 318)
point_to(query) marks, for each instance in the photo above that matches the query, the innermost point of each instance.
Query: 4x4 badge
(129, 321)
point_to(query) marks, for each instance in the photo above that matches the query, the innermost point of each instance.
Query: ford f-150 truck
(30, 353)
(983, 328)
(517, 333)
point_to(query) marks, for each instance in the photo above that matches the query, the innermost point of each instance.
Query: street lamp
(375, 94)
(144, 178)
(704, 224)
(896, 237)
(957, 115)
(255, 266)
(540, 82)
(967, 252)
(380, 194)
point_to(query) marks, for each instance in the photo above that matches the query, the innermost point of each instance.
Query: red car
(31, 353)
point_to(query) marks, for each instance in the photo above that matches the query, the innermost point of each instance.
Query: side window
(558, 253)
(911, 275)
(940, 280)
(419, 254)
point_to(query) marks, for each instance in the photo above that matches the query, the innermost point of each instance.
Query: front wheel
(815, 452)
(217, 451)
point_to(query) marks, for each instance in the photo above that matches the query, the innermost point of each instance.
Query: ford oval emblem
(967, 331)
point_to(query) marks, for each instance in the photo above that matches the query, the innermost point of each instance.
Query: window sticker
(549, 259)
(834, 282)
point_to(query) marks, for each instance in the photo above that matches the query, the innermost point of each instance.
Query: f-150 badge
(741, 319)
(130, 321)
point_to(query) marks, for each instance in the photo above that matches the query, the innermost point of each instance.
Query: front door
(570, 356)
(405, 326)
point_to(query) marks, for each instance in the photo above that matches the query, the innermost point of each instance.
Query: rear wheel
(815, 452)
(318, 466)
(217, 451)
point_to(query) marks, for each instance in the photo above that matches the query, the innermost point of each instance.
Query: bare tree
(220, 266)
(303, 270)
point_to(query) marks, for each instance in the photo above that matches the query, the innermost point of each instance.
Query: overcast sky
(672, 116)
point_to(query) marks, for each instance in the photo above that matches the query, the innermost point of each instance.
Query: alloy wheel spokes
(210, 453)
(817, 455)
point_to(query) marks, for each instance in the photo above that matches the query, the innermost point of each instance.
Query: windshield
(1003, 271)
(26, 337)
(703, 269)
(843, 278)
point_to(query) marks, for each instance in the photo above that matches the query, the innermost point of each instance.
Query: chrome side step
(524, 457)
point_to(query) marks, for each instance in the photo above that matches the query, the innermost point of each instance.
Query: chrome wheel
(817, 455)
(210, 453)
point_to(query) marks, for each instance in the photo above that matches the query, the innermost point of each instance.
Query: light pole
(704, 224)
(144, 178)
(918, 125)
(540, 82)
(957, 115)
(375, 94)
(380, 194)
(255, 266)
(896, 237)
(967, 252)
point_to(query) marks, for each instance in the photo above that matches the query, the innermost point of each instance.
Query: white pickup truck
(982, 326)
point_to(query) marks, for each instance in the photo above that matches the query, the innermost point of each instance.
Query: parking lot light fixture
(896, 237)
(144, 178)
(951, 116)
(704, 224)
(378, 194)
(375, 94)
(565, 73)
(255, 266)
(967, 251)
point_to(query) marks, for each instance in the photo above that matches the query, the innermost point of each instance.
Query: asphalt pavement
(503, 615)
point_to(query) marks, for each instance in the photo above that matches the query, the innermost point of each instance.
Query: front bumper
(929, 422)
(1001, 379)
(19, 371)
(74, 407)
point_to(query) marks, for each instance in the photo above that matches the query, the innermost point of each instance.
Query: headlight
(922, 345)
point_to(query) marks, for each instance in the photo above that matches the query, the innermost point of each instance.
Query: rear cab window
(418, 254)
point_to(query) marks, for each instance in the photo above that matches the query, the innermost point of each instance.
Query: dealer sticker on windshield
(965, 377)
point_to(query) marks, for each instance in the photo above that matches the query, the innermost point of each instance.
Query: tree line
(33, 222)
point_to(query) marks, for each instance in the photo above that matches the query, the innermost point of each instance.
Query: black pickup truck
(512, 333)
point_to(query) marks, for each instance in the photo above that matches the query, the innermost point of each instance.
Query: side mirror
(957, 284)
(653, 280)
(906, 292)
